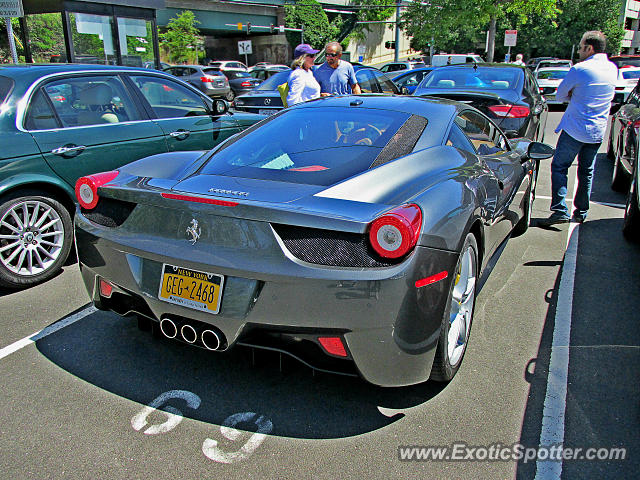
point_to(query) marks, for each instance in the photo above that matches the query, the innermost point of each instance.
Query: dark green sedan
(62, 122)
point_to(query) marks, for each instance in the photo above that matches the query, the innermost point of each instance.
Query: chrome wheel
(462, 301)
(32, 237)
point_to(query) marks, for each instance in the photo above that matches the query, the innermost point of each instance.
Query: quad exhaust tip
(192, 334)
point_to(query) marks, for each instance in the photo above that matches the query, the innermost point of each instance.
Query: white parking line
(15, 346)
(606, 204)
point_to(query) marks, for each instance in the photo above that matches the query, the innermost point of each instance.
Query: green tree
(453, 21)
(309, 15)
(182, 38)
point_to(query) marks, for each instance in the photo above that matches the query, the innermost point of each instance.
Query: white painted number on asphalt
(212, 451)
(210, 447)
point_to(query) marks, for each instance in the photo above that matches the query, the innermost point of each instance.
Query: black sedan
(508, 94)
(623, 139)
(240, 81)
(349, 232)
(265, 99)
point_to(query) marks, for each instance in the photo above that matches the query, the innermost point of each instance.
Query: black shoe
(553, 220)
(577, 218)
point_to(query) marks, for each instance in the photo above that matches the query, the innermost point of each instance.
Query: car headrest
(446, 84)
(96, 94)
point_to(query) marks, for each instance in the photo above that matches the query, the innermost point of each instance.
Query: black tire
(619, 178)
(610, 153)
(523, 225)
(631, 225)
(444, 369)
(230, 96)
(46, 248)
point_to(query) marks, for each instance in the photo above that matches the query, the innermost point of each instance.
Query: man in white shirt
(519, 60)
(589, 88)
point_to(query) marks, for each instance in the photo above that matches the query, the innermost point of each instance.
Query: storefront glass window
(136, 41)
(5, 50)
(92, 38)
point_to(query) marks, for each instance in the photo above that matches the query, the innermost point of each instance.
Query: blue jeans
(566, 150)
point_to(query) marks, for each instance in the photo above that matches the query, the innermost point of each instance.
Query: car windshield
(272, 82)
(5, 88)
(212, 71)
(630, 74)
(483, 78)
(323, 146)
(552, 74)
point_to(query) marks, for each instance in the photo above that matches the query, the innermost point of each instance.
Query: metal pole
(12, 44)
(302, 33)
(396, 56)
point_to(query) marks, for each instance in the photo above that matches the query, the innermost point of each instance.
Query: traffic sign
(244, 47)
(510, 37)
(11, 8)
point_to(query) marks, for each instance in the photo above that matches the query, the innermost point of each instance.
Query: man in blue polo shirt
(589, 88)
(336, 76)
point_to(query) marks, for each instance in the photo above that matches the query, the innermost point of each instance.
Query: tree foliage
(455, 25)
(182, 38)
(308, 14)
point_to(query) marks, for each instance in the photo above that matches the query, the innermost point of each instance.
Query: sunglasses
(331, 54)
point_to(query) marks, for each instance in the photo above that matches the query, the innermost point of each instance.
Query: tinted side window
(385, 85)
(40, 116)
(485, 137)
(458, 140)
(366, 81)
(5, 87)
(82, 101)
(169, 99)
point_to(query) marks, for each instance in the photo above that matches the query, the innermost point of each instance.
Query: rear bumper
(389, 327)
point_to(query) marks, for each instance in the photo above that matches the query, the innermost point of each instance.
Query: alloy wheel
(462, 300)
(31, 238)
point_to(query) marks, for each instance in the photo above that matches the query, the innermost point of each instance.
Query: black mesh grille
(109, 212)
(328, 247)
(403, 141)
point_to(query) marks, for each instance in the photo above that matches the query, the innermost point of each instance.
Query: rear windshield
(231, 74)
(630, 74)
(489, 78)
(5, 87)
(321, 146)
(628, 62)
(552, 74)
(272, 82)
(212, 71)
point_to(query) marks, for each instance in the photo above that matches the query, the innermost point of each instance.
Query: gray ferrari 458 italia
(349, 232)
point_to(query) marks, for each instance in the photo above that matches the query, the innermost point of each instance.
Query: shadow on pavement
(111, 353)
(602, 409)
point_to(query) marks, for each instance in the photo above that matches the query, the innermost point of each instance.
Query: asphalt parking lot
(92, 396)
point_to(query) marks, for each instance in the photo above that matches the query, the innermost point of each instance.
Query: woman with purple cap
(302, 84)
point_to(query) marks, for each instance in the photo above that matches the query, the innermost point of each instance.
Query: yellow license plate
(191, 288)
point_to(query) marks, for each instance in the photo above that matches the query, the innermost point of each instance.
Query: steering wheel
(364, 135)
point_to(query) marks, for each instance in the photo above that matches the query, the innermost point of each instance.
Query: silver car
(206, 79)
(349, 232)
(548, 80)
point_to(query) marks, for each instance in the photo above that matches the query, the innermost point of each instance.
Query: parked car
(375, 215)
(627, 80)
(533, 62)
(548, 80)
(206, 79)
(455, 58)
(231, 64)
(61, 122)
(631, 223)
(409, 80)
(264, 72)
(240, 82)
(623, 140)
(265, 99)
(507, 93)
(553, 63)
(625, 60)
(392, 69)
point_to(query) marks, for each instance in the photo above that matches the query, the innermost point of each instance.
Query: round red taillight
(395, 233)
(87, 188)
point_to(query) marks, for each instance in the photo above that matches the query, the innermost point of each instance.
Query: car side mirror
(219, 107)
(540, 151)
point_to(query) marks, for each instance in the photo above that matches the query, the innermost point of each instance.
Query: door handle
(67, 149)
(180, 134)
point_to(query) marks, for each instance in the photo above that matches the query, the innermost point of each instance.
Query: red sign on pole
(510, 37)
